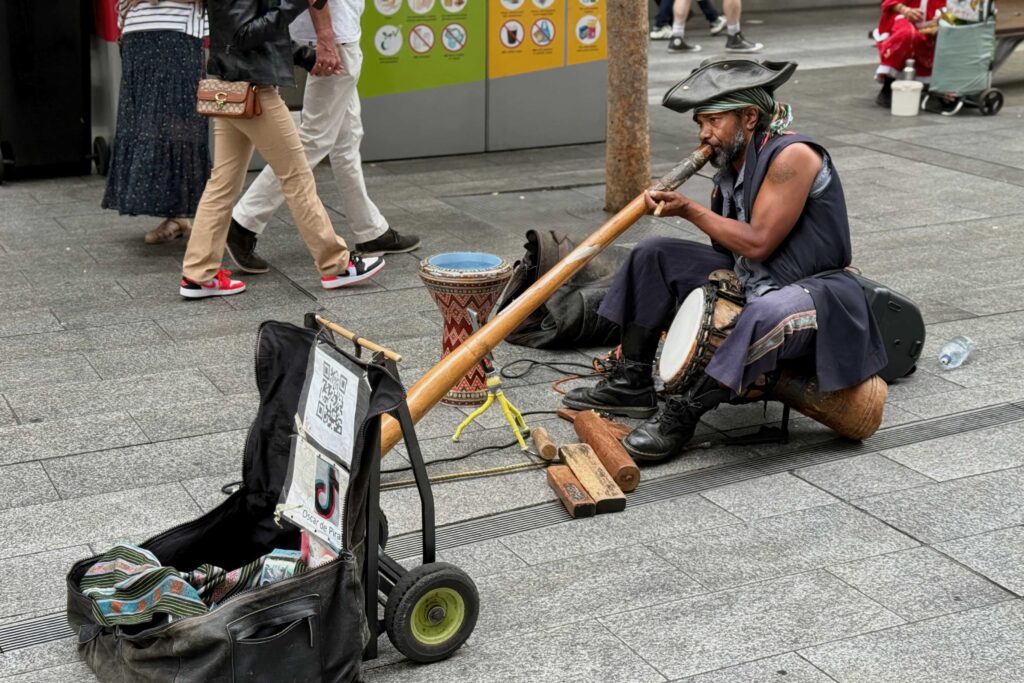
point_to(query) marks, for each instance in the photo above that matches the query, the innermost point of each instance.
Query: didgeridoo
(435, 383)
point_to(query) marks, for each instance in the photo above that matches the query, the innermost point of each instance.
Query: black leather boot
(241, 247)
(627, 390)
(667, 432)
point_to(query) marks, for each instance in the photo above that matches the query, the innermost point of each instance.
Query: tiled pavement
(122, 411)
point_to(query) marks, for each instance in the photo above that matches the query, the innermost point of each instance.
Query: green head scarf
(781, 113)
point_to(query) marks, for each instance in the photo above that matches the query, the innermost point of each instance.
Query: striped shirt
(164, 15)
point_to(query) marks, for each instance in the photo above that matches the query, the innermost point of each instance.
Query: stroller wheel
(990, 101)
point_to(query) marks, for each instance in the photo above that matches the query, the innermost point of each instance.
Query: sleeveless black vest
(848, 348)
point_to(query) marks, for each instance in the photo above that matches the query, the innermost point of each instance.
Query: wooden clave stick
(618, 430)
(545, 447)
(584, 463)
(570, 491)
(593, 429)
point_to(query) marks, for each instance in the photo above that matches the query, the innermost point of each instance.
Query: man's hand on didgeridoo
(675, 204)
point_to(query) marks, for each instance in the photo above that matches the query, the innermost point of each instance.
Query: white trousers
(331, 125)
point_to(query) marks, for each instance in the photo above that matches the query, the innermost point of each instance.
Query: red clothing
(902, 41)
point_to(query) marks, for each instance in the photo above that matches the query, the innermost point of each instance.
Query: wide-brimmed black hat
(718, 77)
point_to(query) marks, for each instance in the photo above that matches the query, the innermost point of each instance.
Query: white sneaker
(359, 268)
(663, 33)
(718, 25)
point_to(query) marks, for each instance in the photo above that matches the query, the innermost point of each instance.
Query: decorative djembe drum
(461, 281)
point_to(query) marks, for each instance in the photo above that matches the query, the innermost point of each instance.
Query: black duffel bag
(568, 319)
(307, 628)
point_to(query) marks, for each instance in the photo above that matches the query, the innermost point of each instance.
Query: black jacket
(249, 40)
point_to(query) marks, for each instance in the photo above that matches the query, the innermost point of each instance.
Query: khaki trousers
(273, 133)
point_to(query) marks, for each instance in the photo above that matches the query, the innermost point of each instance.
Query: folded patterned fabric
(216, 585)
(128, 585)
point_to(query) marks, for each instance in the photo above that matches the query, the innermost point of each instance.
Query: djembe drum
(702, 324)
(461, 281)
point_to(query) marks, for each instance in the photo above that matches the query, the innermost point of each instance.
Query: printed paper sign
(330, 406)
(316, 492)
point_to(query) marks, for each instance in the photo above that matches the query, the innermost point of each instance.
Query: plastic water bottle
(955, 352)
(909, 73)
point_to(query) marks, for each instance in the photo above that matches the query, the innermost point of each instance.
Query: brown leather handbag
(233, 99)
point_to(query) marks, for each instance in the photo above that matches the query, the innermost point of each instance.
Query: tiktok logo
(327, 496)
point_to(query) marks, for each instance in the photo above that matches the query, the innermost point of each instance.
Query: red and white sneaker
(220, 285)
(359, 268)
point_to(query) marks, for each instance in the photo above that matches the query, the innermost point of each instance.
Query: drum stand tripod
(495, 394)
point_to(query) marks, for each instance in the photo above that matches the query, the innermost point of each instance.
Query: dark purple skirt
(161, 152)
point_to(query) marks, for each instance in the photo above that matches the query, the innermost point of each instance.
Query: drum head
(465, 261)
(681, 340)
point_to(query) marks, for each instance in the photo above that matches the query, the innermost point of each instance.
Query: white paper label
(316, 496)
(330, 414)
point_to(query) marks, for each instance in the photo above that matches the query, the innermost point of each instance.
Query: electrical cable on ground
(539, 463)
(473, 473)
(507, 372)
(599, 368)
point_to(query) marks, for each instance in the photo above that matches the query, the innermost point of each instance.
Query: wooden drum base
(855, 412)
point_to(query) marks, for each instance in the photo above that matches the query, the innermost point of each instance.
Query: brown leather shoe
(170, 229)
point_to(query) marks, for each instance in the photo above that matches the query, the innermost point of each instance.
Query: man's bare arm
(777, 207)
(783, 195)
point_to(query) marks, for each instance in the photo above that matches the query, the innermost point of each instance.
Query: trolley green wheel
(431, 611)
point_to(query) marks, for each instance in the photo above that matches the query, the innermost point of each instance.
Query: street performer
(778, 219)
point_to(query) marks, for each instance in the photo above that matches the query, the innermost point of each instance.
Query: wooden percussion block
(584, 463)
(594, 430)
(570, 491)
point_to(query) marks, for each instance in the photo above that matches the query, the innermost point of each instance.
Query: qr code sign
(331, 402)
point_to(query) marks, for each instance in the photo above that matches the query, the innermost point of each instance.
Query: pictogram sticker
(511, 34)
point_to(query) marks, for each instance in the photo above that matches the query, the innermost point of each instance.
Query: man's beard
(724, 156)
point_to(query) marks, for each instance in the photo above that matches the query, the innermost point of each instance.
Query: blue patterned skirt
(161, 156)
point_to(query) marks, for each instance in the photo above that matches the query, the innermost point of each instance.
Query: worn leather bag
(310, 627)
(568, 319)
(231, 99)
